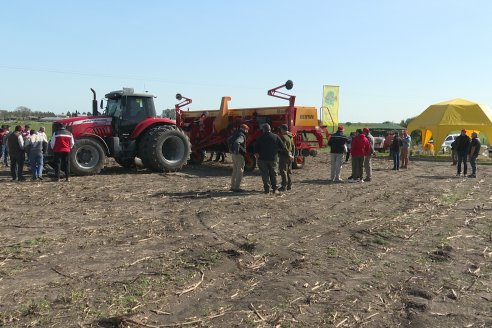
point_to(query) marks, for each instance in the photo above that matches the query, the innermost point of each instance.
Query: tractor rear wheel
(164, 148)
(87, 157)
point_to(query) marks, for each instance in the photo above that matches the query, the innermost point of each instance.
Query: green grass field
(33, 124)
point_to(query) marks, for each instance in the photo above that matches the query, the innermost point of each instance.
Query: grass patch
(39, 307)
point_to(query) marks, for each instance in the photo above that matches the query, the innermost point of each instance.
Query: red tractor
(127, 129)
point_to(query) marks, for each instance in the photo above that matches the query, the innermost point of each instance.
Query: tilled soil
(412, 248)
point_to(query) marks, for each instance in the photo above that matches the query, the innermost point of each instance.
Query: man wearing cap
(338, 146)
(286, 157)
(462, 146)
(474, 151)
(405, 147)
(267, 146)
(367, 158)
(237, 148)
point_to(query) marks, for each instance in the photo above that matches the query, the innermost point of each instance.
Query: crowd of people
(463, 149)
(272, 152)
(28, 146)
(360, 146)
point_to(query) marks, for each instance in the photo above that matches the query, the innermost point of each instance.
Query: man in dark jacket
(338, 146)
(267, 147)
(62, 143)
(462, 145)
(17, 155)
(473, 153)
(285, 158)
(237, 148)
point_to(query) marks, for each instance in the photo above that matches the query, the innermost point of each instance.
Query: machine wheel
(87, 157)
(298, 162)
(249, 162)
(197, 157)
(164, 148)
(125, 162)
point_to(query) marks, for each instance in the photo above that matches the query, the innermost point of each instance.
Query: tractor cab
(128, 109)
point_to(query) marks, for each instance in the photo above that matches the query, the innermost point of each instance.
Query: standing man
(36, 146)
(474, 151)
(462, 147)
(42, 133)
(338, 146)
(454, 156)
(285, 158)
(266, 148)
(395, 151)
(61, 143)
(405, 147)
(15, 143)
(3, 131)
(367, 158)
(237, 148)
(360, 149)
(6, 145)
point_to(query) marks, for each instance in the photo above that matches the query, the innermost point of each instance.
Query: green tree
(22, 112)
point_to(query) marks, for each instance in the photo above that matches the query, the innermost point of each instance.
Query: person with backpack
(237, 148)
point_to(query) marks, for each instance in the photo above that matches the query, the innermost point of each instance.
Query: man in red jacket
(61, 143)
(360, 148)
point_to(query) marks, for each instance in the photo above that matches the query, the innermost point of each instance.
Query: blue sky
(391, 59)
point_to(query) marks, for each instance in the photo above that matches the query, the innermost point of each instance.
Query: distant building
(53, 118)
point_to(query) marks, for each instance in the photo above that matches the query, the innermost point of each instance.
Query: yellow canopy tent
(438, 120)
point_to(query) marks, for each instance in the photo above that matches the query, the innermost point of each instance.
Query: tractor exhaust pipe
(94, 104)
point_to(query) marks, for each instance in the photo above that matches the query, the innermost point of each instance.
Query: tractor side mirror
(101, 106)
(179, 96)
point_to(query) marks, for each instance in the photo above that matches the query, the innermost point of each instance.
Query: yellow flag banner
(330, 105)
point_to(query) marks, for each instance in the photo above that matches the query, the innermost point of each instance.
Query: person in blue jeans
(36, 146)
(395, 151)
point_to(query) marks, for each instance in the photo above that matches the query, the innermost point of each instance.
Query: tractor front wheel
(87, 157)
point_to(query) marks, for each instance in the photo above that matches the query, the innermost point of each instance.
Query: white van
(446, 145)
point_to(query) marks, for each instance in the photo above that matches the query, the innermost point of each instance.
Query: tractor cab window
(138, 108)
(113, 107)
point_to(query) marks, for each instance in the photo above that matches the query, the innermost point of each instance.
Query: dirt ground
(412, 248)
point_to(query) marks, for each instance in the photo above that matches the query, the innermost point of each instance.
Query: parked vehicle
(129, 128)
(383, 137)
(446, 145)
(209, 130)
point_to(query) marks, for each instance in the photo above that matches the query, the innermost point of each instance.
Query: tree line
(24, 113)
